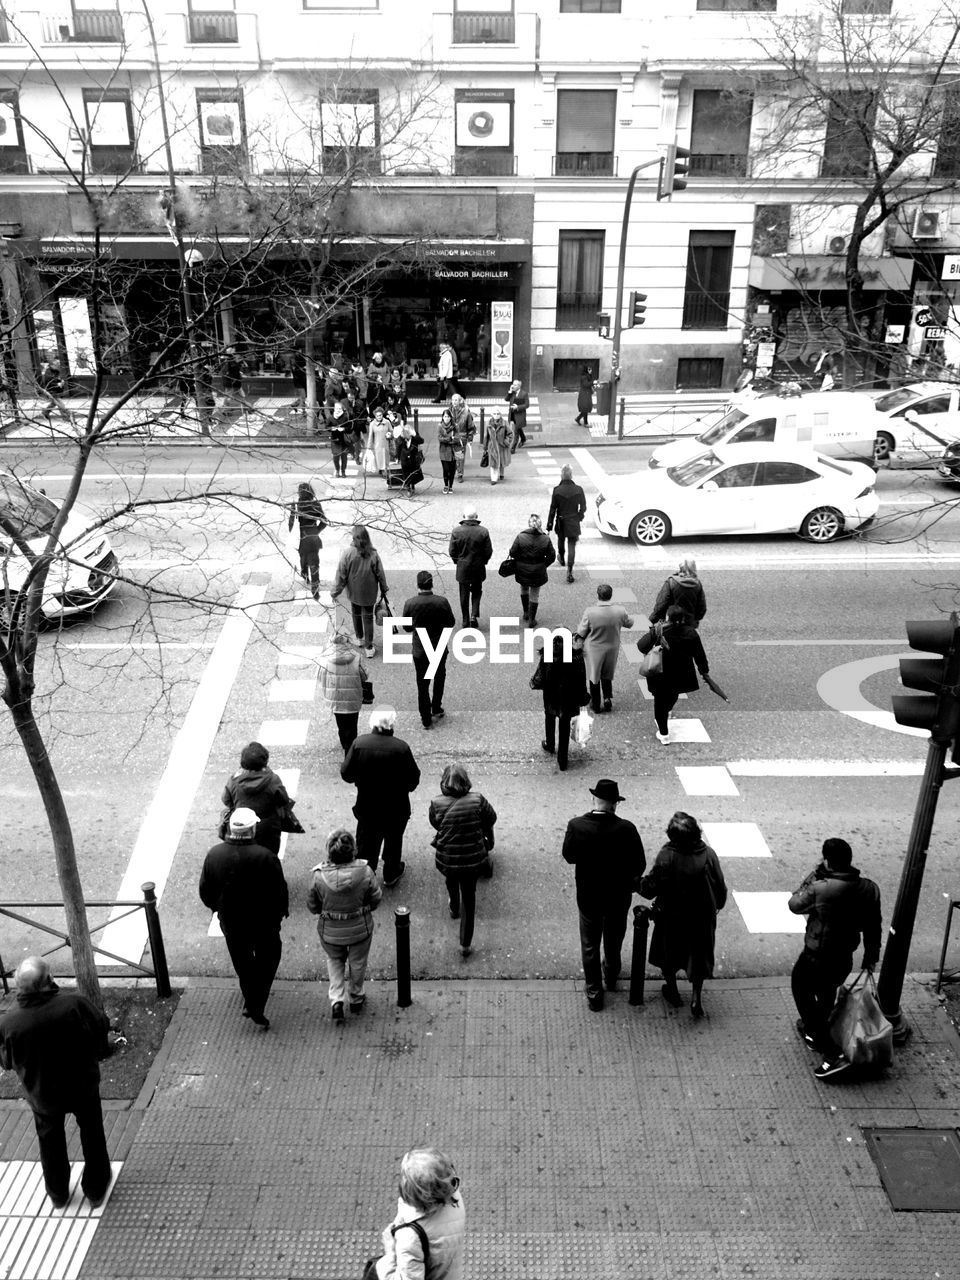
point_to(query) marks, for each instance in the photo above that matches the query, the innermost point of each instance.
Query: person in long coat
(360, 573)
(496, 442)
(685, 589)
(564, 694)
(683, 656)
(465, 428)
(255, 786)
(378, 439)
(470, 550)
(341, 677)
(519, 402)
(344, 894)
(464, 822)
(409, 444)
(688, 888)
(568, 507)
(584, 398)
(532, 552)
(448, 445)
(599, 630)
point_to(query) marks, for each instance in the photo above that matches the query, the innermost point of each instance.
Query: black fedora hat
(607, 789)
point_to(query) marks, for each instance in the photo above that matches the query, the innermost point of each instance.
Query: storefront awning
(821, 272)
(162, 247)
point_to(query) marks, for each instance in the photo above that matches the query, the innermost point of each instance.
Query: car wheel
(822, 525)
(649, 528)
(883, 446)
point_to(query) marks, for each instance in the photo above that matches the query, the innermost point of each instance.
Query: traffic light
(603, 324)
(637, 308)
(673, 171)
(939, 677)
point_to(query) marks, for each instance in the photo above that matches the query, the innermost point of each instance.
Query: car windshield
(25, 509)
(690, 473)
(726, 423)
(895, 399)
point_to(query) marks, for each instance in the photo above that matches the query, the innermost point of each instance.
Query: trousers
(347, 727)
(602, 927)
(255, 952)
(363, 623)
(310, 562)
(381, 829)
(566, 547)
(346, 968)
(470, 594)
(426, 704)
(557, 738)
(52, 1138)
(814, 985)
(665, 698)
(462, 891)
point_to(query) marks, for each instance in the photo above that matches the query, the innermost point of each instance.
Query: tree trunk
(84, 966)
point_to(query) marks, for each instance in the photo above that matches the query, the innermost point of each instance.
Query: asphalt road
(146, 706)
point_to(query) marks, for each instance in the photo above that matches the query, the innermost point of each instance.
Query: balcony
(87, 26)
(585, 163)
(484, 28)
(705, 310)
(212, 27)
(114, 160)
(357, 160)
(714, 165)
(484, 164)
(578, 310)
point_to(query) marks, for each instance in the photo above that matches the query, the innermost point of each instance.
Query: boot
(595, 698)
(525, 601)
(606, 689)
(533, 614)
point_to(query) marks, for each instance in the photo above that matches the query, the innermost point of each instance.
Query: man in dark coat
(244, 883)
(608, 854)
(470, 551)
(839, 904)
(428, 613)
(54, 1040)
(568, 507)
(564, 694)
(384, 771)
(685, 589)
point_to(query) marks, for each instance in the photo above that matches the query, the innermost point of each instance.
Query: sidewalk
(634, 1142)
(648, 419)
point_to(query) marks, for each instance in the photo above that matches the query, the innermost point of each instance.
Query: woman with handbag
(680, 651)
(344, 894)
(409, 444)
(532, 552)
(688, 889)
(564, 686)
(448, 445)
(496, 446)
(425, 1240)
(360, 574)
(255, 786)
(464, 822)
(342, 680)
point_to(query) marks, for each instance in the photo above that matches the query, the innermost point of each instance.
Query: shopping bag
(382, 611)
(581, 727)
(368, 462)
(859, 1026)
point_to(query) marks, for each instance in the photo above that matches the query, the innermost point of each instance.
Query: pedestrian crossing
(37, 1241)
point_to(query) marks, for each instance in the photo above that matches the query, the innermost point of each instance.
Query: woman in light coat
(360, 574)
(378, 439)
(430, 1222)
(344, 894)
(497, 444)
(341, 676)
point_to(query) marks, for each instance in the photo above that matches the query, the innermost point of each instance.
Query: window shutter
(585, 119)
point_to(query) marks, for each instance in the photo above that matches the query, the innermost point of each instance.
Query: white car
(83, 572)
(921, 420)
(741, 489)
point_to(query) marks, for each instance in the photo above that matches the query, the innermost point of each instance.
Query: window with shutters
(699, 373)
(589, 6)
(847, 145)
(223, 131)
(350, 131)
(579, 279)
(706, 299)
(586, 119)
(109, 123)
(13, 155)
(484, 22)
(720, 133)
(212, 22)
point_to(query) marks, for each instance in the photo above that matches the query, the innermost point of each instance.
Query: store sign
(473, 273)
(951, 267)
(933, 331)
(895, 334)
(501, 328)
(765, 353)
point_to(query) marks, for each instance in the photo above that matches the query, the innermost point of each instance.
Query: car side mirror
(710, 486)
(912, 417)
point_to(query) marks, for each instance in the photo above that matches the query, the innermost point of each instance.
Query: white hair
(384, 717)
(471, 513)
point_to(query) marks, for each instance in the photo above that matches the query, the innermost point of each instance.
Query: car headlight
(600, 499)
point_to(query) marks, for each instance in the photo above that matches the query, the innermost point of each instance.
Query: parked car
(81, 576)
(742, 488)
(920, 420)
(949, 465)
(841, 424)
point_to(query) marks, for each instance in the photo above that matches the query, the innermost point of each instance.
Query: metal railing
(148, 906)
(718, 165)
(484, 164)
(484, 28)
(585, 162)
(212, 27)
(84, 26)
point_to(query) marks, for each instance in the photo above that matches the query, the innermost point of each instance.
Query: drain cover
(919, 1168)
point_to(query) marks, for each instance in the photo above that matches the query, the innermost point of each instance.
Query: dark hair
(361, 539)
(445, 413)
(254, 756)
(683, 830)
(341, 846)
(676, 614)
(305, 490)
(604, 591)
(837, 853)
(455, 781)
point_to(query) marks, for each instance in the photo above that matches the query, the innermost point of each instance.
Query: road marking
(840, 689)
(298, 655)
(768, 912)
(688, 731)
(736, 839)
(590, 466)
(166, 817)
(37, 1240)
(283, 733)
(811, 643)
(826, 768)
(292, 691)
(306, 623)
(141, 644)
(706, 780)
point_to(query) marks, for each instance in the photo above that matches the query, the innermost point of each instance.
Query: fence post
(623, 410)
(483, 433)
(402, 917)
(154, 933)
(638, 961)
(416, 421)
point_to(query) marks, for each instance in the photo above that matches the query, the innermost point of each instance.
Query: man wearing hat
(384, 772)
(429, 614)
(244, 883)
(608, 855)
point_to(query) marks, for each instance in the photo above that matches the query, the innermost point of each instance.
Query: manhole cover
(919, 1168)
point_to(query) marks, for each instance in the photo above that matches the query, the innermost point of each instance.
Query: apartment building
(499, 138)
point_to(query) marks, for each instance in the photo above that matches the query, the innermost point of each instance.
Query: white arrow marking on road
(840, 689)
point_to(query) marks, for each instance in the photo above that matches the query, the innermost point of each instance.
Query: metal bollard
(402, 918)
(155, 934)
(623, 410)
(638, 962)
(416, 422)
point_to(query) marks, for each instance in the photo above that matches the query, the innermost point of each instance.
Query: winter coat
(341, 673)
(244, 883)
(398, 401)
(428, 613)
(839, 906)
(585, 394)
(341, 432)
(463, 421)
(689, 890)
(568, 506)
(518, 401)
(464, 826)
(403, 1253)
(260, 790)
(384, 771)
(599, 630)
(378, 439)
(362, 577)
(683, 589)
(608, 854)
(54, 1040)
(409, 457)
(448, 442)
(344, 895)
(682, 650)
(470, 550)
(358, 379)
(564, 683)
(533, 552)
(497, 442)
(309, 513)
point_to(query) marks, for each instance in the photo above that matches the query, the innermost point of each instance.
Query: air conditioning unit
(928, 224)
(837, 245)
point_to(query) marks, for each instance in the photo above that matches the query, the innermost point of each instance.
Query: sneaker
(371, 652)
(832, 1067)
(388, 884)
(663, 738)
(595, 1003)
(336, 1011)
(805, 1035)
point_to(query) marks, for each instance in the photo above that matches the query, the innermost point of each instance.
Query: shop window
(109, 125)
(699, 373)
(585, 131)
(948, 153)
(706, 299)
(589, 6)
(223, 132)
(212, 22)
(350, 131)
(730, 6)
(13, 155)
(720, 134)
(847, 147)
(484, 140)
(579, 279)
(484, 22)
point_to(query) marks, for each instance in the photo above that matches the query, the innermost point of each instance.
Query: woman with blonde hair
(425, 1241)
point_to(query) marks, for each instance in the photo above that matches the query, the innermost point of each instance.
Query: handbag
(224, 826)
(370, 1267)
(652, 663)
(366, 695)
(288, 820)
(858, 1025)
(485, 458)
(382, 611)
(507, 568)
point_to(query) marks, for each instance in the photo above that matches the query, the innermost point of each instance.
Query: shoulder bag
(652, 663)
(508, 567)
(370, 1268)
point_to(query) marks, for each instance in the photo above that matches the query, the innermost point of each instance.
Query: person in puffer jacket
(685, 589)
(344, 894)
(342, 674)
(464, 822)
(255, 786)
